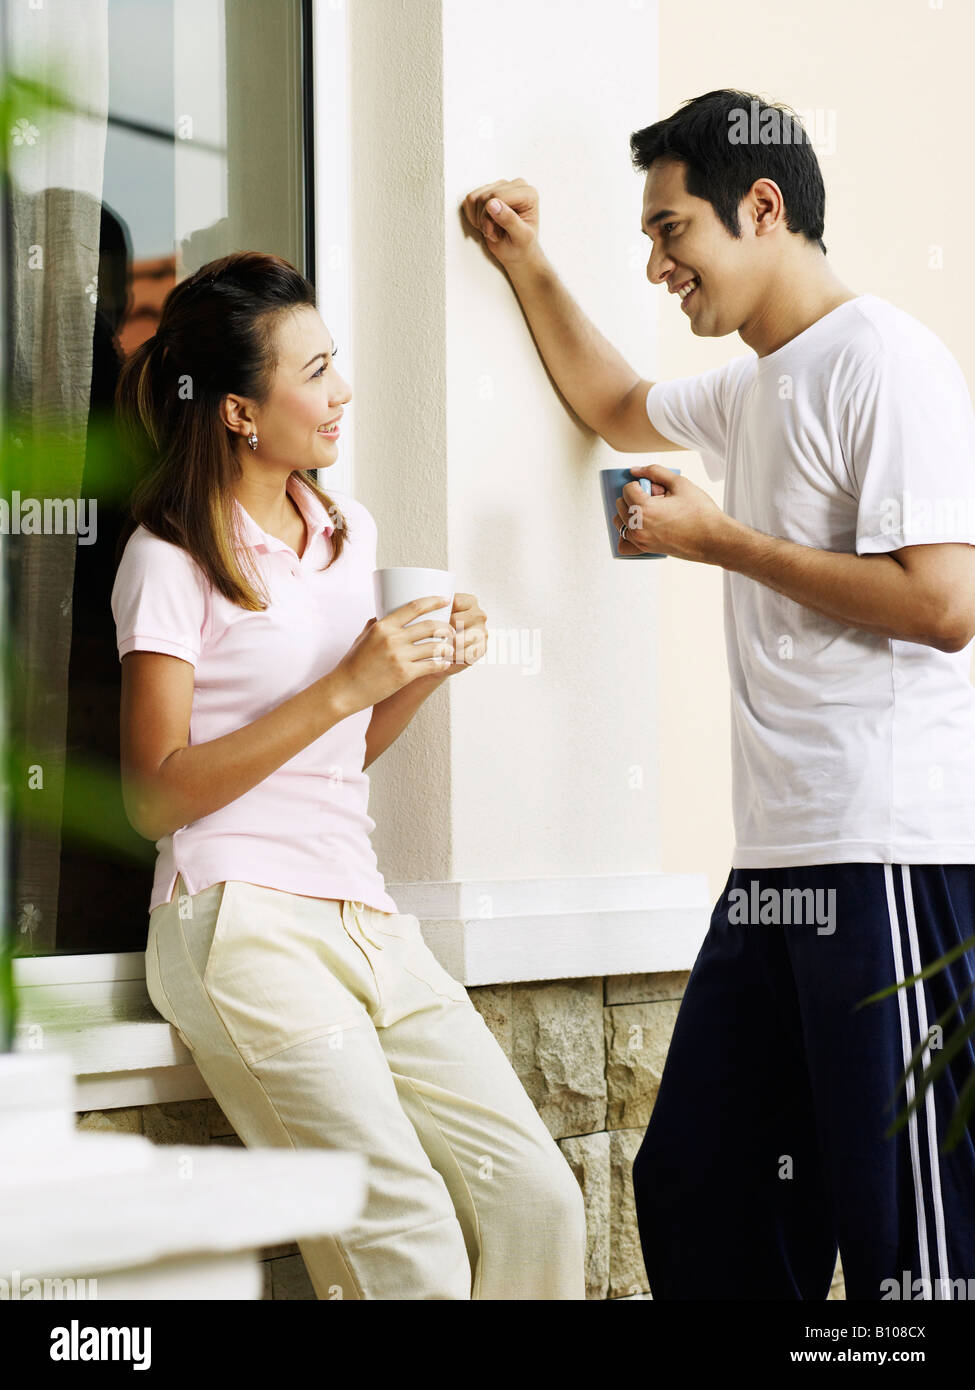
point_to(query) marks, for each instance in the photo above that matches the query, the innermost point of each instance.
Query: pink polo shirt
(305, 828)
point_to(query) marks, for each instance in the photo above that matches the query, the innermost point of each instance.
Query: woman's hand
(469, 622)
(387, 654)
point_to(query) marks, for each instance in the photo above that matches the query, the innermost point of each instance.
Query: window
(152, 136)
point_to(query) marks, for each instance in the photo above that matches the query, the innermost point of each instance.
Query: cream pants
(323, 1023)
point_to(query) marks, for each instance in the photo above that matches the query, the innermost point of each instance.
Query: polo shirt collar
(313, 511)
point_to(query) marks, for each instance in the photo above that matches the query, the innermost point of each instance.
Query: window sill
(509, 931)
(484, 933)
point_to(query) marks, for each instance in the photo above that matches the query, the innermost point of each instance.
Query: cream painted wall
(398, 374)
(893, 75)
(615, 756)
(543, 759)
(554, 772)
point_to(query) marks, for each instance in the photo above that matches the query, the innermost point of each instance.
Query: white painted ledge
(486, 932)
(507, 931)
(176, 1201)
(160, 1220)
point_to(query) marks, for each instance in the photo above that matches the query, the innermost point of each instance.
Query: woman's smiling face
(307, 395)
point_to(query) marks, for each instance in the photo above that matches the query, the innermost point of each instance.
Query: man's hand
(469, 622)
(676, 518)
(506, 215)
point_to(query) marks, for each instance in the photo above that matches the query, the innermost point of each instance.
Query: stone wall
(589, 1053)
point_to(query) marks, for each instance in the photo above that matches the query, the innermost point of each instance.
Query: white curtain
(56, 165)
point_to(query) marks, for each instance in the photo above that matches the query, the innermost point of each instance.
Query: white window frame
(97, 1006)
(97, 989)
(330, 143)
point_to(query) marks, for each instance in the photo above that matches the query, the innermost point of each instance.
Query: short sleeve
(694, 411)
(909, 436)
(158, 599)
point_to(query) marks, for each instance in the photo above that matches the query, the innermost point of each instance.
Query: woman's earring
(252, 440)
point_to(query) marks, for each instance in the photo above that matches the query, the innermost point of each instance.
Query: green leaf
(959, 1120)
(924, 1044)
(931, 1073)
(933, 969)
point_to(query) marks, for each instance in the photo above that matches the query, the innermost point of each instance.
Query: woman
(257, 686)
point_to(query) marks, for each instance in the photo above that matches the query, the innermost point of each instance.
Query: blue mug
(613, 481)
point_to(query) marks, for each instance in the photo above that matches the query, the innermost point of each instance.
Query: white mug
(399, 585)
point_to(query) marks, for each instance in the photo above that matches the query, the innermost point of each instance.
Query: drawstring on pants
(355, 912)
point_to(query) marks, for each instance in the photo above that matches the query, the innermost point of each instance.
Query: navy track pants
(765, 1148)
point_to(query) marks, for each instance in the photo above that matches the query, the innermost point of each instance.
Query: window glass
(156, 135)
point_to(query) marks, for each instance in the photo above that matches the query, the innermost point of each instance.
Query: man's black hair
(721, 166)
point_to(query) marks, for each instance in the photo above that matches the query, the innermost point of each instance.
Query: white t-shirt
(856, 436)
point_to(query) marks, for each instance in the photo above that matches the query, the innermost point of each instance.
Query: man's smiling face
(692, 246)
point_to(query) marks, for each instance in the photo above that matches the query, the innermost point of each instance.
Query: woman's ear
(234, 413)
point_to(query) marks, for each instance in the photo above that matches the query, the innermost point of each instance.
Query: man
(846, 440)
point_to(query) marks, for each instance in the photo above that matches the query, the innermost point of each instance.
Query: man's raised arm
(599, 384)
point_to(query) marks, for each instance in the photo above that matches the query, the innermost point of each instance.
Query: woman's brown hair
(216, 335)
